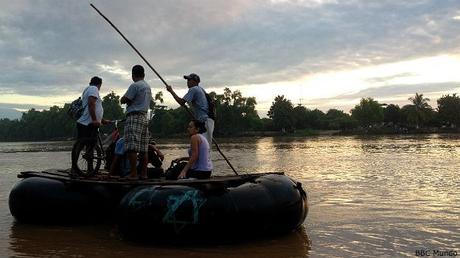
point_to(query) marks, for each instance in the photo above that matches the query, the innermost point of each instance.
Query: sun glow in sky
(325, 86)
(320, 53)
(315, 88)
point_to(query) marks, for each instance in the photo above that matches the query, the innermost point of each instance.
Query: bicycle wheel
(88, 159)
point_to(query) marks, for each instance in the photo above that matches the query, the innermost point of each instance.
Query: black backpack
(76, 109)
(174, 170)
(211, 106)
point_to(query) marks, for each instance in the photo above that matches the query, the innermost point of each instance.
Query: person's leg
(145, 161)
(130, 145)
(132, 157)
(144, 146)
(209, 124)
(83, 134)
(114, 166)
(90, 148)
(119, 156)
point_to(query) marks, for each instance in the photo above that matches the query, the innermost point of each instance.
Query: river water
(376, 196)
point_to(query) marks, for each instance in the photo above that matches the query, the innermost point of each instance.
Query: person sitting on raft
(199, 163)
(120, 165)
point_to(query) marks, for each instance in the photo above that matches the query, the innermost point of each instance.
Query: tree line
(237, 115)
(369, 113)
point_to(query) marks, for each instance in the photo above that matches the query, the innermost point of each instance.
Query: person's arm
(195, 142)
(125, 100)
(181, 159)
(129, 95)
(177, 98)
(105, 121)
(159, 153)
(92, 110)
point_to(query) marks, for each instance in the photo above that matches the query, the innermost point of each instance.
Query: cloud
(14, 110)
(404, 89)
(9, 113)
(52, 48)
(390, 94)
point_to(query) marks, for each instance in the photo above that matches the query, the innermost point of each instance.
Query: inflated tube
(270, 204)
(43, 200)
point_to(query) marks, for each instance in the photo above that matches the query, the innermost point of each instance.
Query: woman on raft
(199, 163)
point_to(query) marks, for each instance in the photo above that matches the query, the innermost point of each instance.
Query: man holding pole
(209, 123)
(197, 98)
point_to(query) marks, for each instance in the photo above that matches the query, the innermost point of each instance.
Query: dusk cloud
(50, 49)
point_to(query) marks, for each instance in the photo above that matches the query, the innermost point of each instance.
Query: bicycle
(89, 154)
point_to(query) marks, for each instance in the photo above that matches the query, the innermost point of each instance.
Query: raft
(250, 204)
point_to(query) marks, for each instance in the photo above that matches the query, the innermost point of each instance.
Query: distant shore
(301, 133)
(360, 131)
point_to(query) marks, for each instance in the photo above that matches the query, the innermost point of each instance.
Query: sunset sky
(320, 53)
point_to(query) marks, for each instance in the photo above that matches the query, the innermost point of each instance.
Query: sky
(319, 53)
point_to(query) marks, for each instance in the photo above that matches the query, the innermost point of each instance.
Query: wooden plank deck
(104, 179)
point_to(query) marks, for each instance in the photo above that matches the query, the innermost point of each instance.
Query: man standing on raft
(197, 98)
(137, 98)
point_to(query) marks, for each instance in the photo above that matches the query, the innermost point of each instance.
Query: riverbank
(399, 130)
(298, 133)
(357, 131)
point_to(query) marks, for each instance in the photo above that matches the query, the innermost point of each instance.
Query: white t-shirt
(91, 91)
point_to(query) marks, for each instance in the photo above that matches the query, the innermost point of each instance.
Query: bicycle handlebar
(115, 122)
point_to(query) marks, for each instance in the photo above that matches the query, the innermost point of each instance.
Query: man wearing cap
(197, 99)
(137, 99)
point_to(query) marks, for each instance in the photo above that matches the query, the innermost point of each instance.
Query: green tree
(167, 122)
(281, 112)
(369, 112)
(449, 109)
(300, 117)
(51, 124)
(153, 101)
(421, 110)
(392, 114)
(408, 116)
(238, 113)
(10, 130)
(112, 107)
(337, 119)
(316, 119)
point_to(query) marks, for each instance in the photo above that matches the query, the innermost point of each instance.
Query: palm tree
(421, 109)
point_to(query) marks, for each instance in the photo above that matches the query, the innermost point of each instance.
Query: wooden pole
(159, 76)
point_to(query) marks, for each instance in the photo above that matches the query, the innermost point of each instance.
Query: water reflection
(374, 196)
(104, 241)
(13, 147)
(422, 144)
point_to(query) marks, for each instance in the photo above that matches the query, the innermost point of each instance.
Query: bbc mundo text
(435, 253)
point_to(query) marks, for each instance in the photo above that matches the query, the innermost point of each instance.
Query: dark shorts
(198, 174)
(86, 132)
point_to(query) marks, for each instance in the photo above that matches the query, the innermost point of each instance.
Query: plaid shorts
(136, 133)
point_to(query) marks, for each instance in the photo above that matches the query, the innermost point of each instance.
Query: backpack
(154, 159)
(211, 106)
(174, 170)
(76, 109)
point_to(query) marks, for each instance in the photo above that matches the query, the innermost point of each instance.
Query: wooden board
(104, 179)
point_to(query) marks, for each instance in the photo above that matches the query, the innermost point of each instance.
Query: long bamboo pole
(161, 78)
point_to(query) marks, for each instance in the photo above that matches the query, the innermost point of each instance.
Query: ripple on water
(368, 197)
